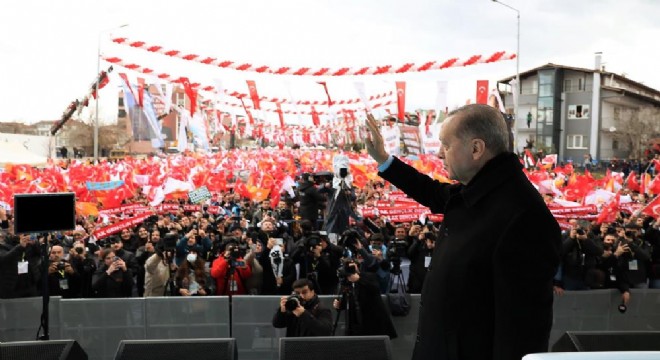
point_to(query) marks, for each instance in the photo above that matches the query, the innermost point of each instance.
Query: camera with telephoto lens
(349, 239)
(292, 302)
(580, 232)
(348, 268)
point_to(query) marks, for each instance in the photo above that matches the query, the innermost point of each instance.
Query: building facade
(573, 111)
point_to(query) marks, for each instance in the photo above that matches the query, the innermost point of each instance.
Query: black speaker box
(336, 347)
(42, 350)
(608, 341)
(177, 349)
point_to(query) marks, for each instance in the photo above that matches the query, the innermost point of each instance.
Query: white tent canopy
(16, 153)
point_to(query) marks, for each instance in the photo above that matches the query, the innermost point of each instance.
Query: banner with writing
(105, 185)
(119, 226)
(199, 195)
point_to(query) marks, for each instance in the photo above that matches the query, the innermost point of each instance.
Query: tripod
(170, 288)
(396, 277)
(343, 294)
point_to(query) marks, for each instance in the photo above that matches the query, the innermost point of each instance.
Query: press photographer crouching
(302, 313)
(359, 296)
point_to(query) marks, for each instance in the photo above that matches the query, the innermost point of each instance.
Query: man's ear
(478, 148)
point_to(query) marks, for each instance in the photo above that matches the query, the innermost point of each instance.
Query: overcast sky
(48, 49)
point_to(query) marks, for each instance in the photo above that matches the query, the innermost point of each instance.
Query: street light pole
(96, 90)
(517, 60)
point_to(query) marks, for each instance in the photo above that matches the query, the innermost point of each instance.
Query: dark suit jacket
(488, 294)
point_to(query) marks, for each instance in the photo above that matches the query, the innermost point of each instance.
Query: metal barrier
(99, 324)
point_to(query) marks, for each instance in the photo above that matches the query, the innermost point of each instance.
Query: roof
(591, 71)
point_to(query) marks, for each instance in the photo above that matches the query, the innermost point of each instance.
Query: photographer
(159, 267)
(360, 296)
(230, 271)
(311, 201)
(420, 253)
(84, 266)
(633, 255)
(62, 278)
(341, 202)
(579, 257)
(302, 313)
(195, 240)
(113, 278)
(313, 264)
(19, 272)
(279, 271)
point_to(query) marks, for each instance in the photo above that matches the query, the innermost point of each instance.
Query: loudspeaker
(608, 341)
(177, 349)
(42, 350)
(336, 347)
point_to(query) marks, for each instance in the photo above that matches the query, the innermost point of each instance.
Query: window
(568, 85)
(615, 144)
(578, 111)
(577, 141)
(580, 85)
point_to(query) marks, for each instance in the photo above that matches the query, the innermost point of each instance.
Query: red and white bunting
(233, 93)
(321, 71)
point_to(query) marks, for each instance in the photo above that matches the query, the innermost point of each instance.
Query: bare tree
(636, 127)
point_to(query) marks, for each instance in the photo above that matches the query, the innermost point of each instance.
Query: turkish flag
(192, 94)
(653, 208)
(482, 91)
(632, 183)
(280, 114)
(315, 117)
(253, 94)
(401, 99)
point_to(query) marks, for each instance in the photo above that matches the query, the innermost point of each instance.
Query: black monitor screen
(38, 213)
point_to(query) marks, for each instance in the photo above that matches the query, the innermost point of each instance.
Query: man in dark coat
(488, 293)
(311, 200)
(309, 318)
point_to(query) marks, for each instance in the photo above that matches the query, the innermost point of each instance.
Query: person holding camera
(19, 270)
(420, 254)
(634, 258)
(311, 200)
(230, 271)
(159, 267)
(652, 236)
(360, 297)
(314, 264)
(63, 280)
(279, 271)
(84, 266)
(195, 240)
(113, 278)
(302, 314)
(579, 258)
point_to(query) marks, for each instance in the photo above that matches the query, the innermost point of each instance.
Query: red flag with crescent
(140, 91)
(482, 91)
(653, 208)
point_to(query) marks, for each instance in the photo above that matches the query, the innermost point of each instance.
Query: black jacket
(311, 201)
(118, 284)
(315, 321)
(13, 285)
(489, 292)
(367, 314)
(417, 253)
(269, 285)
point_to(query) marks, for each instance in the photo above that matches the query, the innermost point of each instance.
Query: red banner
(118, 227)
(574, 210)
(124, 209)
